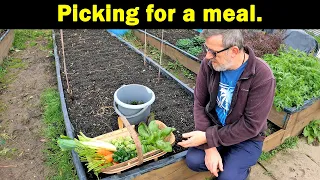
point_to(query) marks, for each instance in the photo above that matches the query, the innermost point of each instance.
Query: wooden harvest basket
(141, 158)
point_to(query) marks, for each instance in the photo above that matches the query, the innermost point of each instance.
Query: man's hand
(195, 138)
(213, 161)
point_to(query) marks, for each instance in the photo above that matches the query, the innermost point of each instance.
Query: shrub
(263, 43)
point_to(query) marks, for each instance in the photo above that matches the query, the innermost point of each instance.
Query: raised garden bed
(97, 64)
(293, 120)
(173, 35)
(6, 40)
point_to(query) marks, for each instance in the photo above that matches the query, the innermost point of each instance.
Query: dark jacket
(251, 103)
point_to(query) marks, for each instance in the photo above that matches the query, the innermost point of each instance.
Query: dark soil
(172, 35)
(97, 65)
(272, 128)
(2, 31)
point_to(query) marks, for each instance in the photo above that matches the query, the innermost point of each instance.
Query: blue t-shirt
(228, 81)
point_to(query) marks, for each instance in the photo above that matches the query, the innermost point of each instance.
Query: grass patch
(7, 64)
(23, 38)
(60, 162)
(289, 143)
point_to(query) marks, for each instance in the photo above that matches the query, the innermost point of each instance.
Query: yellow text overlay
(130, 16)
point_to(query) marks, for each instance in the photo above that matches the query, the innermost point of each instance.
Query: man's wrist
(211, 149)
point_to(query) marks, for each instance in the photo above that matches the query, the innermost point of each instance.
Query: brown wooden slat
(273, 140)
(173, 53)
(305, 117)
(289, 126)
(176, 171)
(277, 117)
(5, 45)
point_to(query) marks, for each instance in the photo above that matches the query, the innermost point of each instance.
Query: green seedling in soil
(191, 45)
(195, 50)
(289, 143)
(175, 65)
(59, 161)
(136, 102)
(187, 73)
(312, 132)
(198, 41)
(185, 43)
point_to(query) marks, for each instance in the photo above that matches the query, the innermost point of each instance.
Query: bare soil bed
(97, 65)
(172, 35)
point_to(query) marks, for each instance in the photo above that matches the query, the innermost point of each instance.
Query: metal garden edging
(4, 35)
(69, 129)
(173, 46)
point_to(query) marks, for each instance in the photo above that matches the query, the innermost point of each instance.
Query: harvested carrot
(109, 157)
(104, 152)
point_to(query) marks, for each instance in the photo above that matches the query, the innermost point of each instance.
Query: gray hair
(230, 37)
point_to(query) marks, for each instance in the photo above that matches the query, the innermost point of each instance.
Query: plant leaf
(143, 130)
(306, 131)
(310, 139)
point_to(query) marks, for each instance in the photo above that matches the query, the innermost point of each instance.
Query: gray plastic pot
(133, 92)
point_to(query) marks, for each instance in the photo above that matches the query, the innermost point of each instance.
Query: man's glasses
(214, 53)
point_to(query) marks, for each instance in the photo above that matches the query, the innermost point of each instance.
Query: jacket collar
(250, 69)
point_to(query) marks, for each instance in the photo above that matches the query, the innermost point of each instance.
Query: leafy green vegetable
(153, 127)
(152, 137)
(66, 144)
(122, 155)
(191, 45)
(184, 43)
(312, 132)
(136, 102)
(166, 132)
(163, 145)
(297, 76)
(198, 41)
(87, 150)
(143, 130)
(126, 149)
(94, 161)
(195, 50)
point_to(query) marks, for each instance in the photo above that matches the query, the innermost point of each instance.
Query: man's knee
(195, 160)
